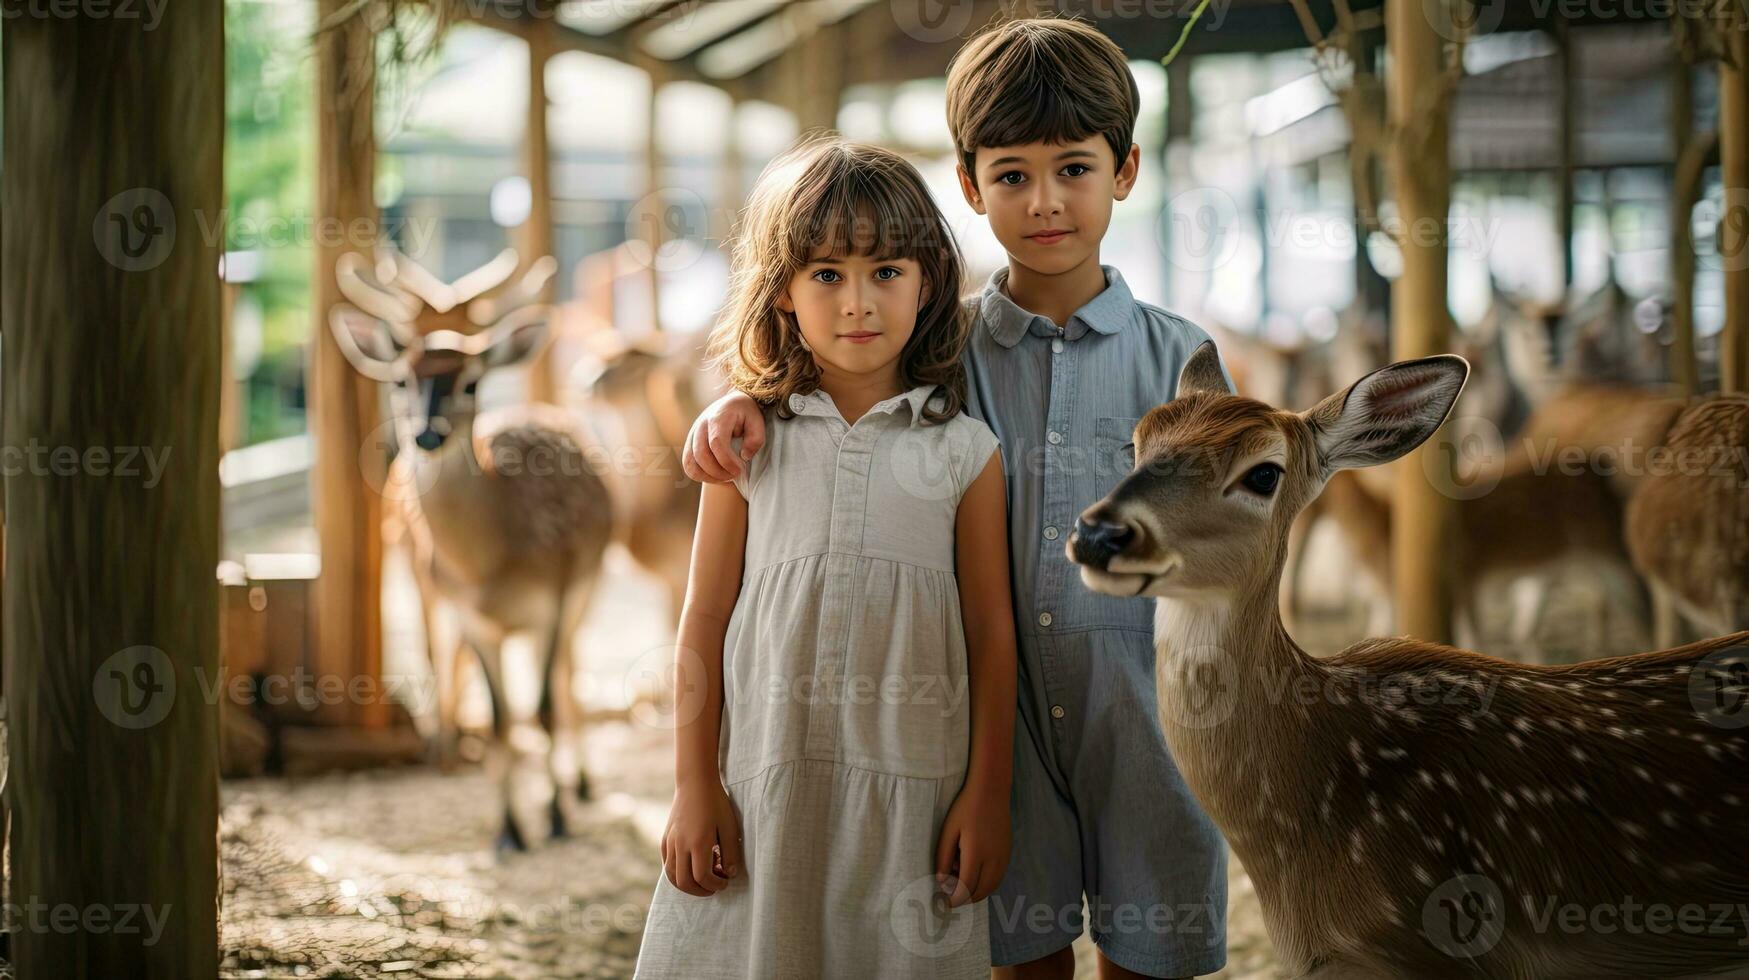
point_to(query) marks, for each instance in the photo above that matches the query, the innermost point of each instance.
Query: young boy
(1062, 363)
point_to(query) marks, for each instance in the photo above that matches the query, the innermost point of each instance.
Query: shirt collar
(817, 402)
(1106, 313)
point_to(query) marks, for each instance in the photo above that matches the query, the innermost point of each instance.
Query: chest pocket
(1113, 456)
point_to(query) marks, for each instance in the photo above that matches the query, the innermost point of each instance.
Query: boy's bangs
(873, 218)
(1042, 113)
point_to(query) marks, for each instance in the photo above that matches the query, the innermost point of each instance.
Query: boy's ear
(969, 188)
(1127, 170)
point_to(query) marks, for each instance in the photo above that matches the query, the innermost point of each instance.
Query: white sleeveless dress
(847, 716)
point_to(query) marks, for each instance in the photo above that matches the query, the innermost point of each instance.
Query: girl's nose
(859, 301)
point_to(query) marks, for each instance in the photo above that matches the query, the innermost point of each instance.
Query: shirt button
(1051, 532)
(1044, 619)
(1055, 437)
(1057, 345)
(795, 403)
(1057, 711)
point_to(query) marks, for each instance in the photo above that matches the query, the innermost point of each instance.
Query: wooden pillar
(1567, 129)
(343, 406)
(110, 295)
(655, 213)
(1421, 515)
(1733, 234)
(536, 238)
(1174, 156)
(1690, 155)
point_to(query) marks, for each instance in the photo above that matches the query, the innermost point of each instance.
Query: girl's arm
(703, 816)
(975, 837)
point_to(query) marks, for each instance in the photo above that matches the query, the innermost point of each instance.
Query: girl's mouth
(859, 337)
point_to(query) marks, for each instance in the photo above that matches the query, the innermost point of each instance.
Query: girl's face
(856, 313)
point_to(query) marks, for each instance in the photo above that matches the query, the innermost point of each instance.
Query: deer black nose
(1097, 542)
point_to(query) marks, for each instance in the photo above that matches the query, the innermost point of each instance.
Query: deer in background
(1460, 799)
(508, 519)
(1688, 519)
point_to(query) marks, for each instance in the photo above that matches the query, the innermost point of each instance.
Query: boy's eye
(1003, 179)
(823, 273)
(1082, 167)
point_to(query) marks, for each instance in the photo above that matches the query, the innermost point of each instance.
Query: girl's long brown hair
(844, 196)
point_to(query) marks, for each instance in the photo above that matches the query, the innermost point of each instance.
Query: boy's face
(1049, 203)
(856, 312)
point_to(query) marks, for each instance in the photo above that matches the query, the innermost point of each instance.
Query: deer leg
(503, 749)
(1666, 623)
(557, 703)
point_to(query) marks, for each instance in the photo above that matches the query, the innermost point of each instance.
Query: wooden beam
(536, 237)
(1733, 236)
(344, 416)
(1685, 182)
(111, 604)
(1567, 95)
(1421, 515)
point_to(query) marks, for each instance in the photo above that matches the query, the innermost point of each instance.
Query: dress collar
(1106, 313)
(817, 402)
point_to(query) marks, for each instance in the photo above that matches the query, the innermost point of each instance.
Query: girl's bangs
(864, 213)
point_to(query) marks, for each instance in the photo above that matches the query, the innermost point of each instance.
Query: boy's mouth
(1050, 236)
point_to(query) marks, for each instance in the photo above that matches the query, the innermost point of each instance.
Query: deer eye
(470, 387)
(1262, 478)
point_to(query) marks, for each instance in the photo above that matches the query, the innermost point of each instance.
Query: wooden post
(1180, 118)
(1568, 125)
(537, 231)
(343, 406)
(109, 291)
(1733, 234)
(1690, 155)
(655, 212)
(1421, 515)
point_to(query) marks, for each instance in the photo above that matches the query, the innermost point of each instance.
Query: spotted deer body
(507, 517)
(1688, 519)
(1408, 809)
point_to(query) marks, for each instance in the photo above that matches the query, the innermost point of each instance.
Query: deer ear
(370, 345)
(1388, 412)
(1202, 372)
(519, 335)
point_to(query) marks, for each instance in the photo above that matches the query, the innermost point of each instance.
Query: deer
(1406, 808)
(1688, 518)
(508, 518)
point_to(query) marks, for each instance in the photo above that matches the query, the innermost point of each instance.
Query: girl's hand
(709, 455)
(972, 855)
(701, 821)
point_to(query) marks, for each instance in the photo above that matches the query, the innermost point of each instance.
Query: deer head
(431, 342)
(1219, 478)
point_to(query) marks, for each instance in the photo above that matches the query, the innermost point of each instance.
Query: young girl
(846, 673)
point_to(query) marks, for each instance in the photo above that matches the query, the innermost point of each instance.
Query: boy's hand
(709, 455)
(975, 840)
(701, 822)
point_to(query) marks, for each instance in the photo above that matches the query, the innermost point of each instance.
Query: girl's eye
(881, 273)
(1082, 167)
(827, 272)
(1262, 478)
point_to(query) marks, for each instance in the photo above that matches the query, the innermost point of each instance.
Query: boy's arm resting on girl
(710, 455)
(976, 837)
(703, 817)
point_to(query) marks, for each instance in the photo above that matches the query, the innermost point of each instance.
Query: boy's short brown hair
(1047, 79)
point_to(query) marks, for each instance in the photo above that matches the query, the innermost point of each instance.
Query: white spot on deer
(1578, 754)
(1668, 818)
(1641, 772)
(1633, 829)
(1425, 777)
(1422, 876)
(1536, 836)
(1517, 743)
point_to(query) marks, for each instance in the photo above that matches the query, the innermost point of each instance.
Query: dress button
(1057, 711)
(795, 403)
(1051, 532)
(1044, 619)
(1055, 437)
(1056, 345)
